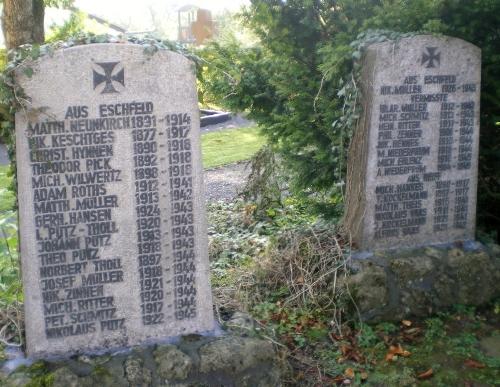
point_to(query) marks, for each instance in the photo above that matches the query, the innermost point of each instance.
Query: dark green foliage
(294, 83)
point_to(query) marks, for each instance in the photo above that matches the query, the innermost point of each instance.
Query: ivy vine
(350, 92)
(13, 98)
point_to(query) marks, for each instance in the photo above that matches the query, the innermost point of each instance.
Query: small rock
(172, 363)
(18, 380)
(235, 354)
(433, 252)
(240, 320)
(455, 254)
(136, 374)
(85, 359)
(369, 287)
(412, 269)
(64, 377)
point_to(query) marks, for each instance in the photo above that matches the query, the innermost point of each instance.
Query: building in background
(195, 25)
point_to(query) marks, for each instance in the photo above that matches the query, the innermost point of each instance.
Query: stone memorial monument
(412, 172)
(111, 205)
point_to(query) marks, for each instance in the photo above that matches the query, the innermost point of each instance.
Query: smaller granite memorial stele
(412, 172)
(111, 204)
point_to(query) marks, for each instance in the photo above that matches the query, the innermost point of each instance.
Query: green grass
(6, 196)
(230, 146)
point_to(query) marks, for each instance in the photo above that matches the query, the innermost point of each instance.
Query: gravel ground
(224, 183)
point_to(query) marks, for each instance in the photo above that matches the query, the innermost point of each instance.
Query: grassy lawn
(230, 146)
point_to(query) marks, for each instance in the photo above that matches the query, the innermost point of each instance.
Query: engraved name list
(113, 233)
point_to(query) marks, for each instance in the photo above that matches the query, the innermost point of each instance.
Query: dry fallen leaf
(473, 364)
(345, 349)
(364, 375)
(334, 337)
(396, 350)
(349, 373)
(426, 375)
(406, 323)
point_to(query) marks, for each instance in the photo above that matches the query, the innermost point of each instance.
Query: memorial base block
(393, 285)
(230, 360)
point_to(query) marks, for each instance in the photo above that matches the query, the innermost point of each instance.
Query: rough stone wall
(389, 286)
(231, 361)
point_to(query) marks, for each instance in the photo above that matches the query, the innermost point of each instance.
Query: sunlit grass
(230, 146)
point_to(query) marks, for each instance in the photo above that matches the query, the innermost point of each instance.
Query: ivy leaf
(28, 71)
(35, 52)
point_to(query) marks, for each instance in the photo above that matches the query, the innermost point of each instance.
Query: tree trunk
(22, 22)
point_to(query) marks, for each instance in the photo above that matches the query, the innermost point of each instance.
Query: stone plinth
(231, 360)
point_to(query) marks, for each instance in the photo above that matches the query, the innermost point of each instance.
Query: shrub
(293, 83)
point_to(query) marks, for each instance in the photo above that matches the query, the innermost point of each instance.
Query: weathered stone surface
(422, 281)
(18, 380)
(198, 361)
(136, 373)
(235, 354)
(433, 252)
(64, 377)
(476, 276)
(369, 286)
(412, 269)
(241, 321)
(111, 203)
(412, 172)
(172, 363)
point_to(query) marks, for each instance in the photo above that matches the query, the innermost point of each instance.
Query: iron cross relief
(431, 57)
(110, 75)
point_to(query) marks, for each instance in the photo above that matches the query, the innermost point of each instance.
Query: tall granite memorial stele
(111, 205)
(412, 174)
